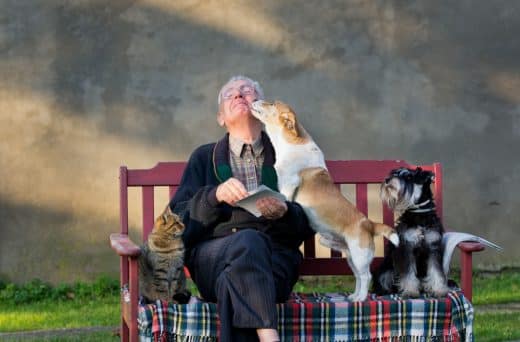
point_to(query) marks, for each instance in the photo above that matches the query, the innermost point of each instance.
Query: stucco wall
(86, 86)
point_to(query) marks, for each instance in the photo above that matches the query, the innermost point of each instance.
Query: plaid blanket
(325, 317)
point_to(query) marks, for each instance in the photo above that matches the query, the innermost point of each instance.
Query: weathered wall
(89, 85)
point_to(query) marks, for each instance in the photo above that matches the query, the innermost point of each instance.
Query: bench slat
(362, 171)
(162, 174)
(148, 210)
(331, 266)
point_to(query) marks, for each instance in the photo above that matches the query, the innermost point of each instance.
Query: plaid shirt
(246, 161)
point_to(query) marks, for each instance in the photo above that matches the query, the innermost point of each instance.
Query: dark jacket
(195, 200)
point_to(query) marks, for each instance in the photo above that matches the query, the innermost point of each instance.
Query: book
(249, 202)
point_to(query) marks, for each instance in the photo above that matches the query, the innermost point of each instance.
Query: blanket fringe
(168, 337)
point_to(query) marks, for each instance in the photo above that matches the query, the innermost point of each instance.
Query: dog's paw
(410, 294)
(355, 297)
(410, 287)
(435, 285)
(439, 292)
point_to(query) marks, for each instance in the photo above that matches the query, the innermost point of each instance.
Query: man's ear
(220, 119)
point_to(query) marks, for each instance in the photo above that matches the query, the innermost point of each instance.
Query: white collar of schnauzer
(416, 207)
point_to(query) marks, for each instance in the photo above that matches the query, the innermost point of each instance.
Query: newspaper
(249, 202)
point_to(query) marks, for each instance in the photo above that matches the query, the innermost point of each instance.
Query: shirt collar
(222, 168)
(236, 146)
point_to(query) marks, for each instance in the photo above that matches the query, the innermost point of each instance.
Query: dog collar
(417, 208)
(420, 204)
(426, 210)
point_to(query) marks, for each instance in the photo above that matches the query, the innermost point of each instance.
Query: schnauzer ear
(431, 176)
(424, 176)
(401, 172)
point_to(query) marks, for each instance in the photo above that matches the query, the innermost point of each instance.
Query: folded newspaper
(249, 202)
(450, 240)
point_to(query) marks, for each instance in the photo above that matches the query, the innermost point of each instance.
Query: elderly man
(246, 264)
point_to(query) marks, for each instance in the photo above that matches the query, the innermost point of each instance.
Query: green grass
(48, 314)
(99, 336)
(496, 326)
(503, 287)
(325, 284)
(37, 306)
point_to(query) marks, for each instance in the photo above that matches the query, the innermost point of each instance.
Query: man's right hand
(231, 191)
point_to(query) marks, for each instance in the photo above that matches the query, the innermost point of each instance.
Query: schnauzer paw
(439, 293)
(410, 287)
(411, 294)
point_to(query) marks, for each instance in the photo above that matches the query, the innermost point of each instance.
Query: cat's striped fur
(161, 264)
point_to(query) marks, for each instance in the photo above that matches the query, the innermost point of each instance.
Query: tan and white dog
(304, 178)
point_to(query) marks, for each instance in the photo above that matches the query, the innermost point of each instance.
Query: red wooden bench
(360, 173)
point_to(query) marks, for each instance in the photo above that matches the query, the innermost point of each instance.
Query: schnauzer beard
(400, 196)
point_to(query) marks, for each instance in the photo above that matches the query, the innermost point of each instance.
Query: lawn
(93, 309)
(497, 326)
(496, 287)
(62, 314)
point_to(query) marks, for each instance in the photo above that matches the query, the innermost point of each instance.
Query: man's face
(237, 97)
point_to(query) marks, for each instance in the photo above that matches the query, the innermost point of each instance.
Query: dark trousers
(246, 275)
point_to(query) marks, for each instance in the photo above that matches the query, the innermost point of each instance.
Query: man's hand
(231, 191)
(271, 207)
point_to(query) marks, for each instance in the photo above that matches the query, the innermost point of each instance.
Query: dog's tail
(387, 231)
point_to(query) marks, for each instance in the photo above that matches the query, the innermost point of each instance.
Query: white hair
(258, 89)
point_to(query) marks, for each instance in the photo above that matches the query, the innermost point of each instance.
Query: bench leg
(134, 295)
(466, 270)
(124, 331)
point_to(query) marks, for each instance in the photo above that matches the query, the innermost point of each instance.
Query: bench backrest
(360, 173)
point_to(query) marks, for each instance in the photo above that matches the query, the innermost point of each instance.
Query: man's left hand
(271, 207)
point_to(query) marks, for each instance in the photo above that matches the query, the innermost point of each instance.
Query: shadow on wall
(134, 69)
(53, 245)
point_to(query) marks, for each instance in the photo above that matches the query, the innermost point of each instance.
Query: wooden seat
(359, 173)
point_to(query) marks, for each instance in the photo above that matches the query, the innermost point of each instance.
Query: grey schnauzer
(414, 266)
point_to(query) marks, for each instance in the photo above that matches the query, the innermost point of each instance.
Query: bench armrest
(471, 246)
(123, 246)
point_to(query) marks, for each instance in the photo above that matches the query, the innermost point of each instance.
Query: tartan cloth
(325, 317)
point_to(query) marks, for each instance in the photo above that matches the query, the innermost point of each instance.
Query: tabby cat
(161, 264)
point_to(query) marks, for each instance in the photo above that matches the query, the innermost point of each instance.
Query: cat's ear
(159, 221)
(167, 212)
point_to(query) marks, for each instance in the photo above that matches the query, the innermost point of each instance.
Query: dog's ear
(431, 176)
(289, 122)
(424, 177)
(402, 172)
